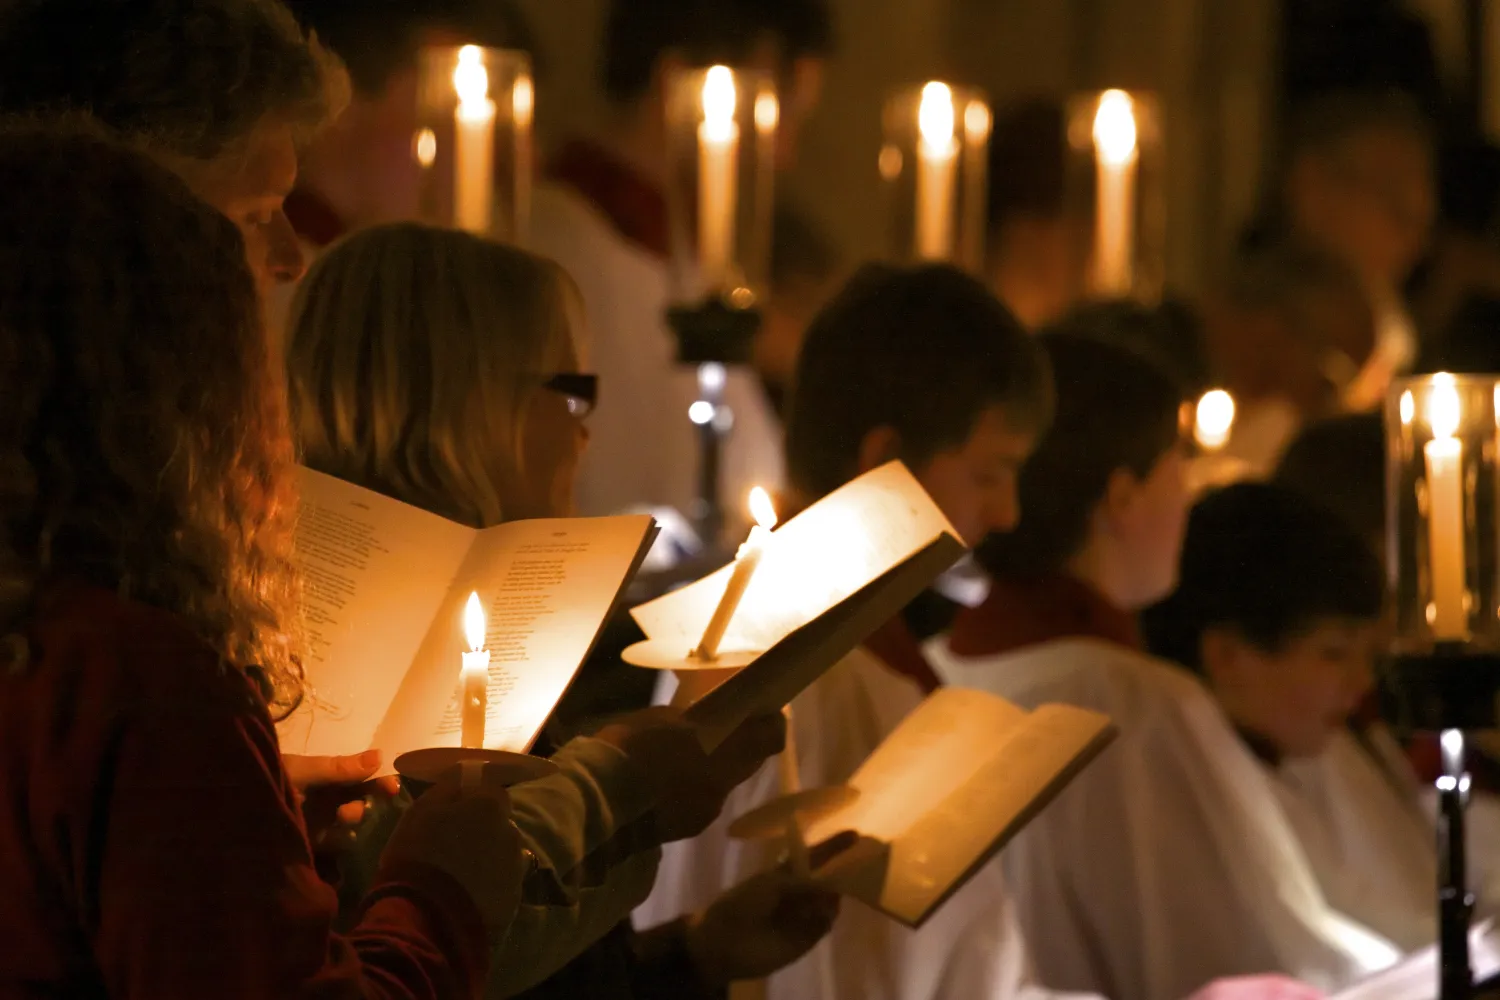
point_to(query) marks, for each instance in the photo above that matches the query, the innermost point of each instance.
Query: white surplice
(1169, 862)
(970, 948)
(643, 449)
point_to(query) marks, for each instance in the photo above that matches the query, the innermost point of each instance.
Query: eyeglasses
(580, 389)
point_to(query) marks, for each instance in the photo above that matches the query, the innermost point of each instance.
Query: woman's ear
(879, 446)
(1120, 495)
(1219, 653)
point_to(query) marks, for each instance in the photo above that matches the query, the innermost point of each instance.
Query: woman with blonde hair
(442, 369)
(151, 844)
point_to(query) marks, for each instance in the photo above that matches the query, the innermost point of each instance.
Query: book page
(960, 776)
(812, 562)
(547, 587)
(1415, 977)
(374, 572)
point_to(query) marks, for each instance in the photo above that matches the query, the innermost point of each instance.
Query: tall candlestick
(937, 160)
(1447, 613)
(1117, 157)
(745, 562)
(523, 106)
(789, 777)
(718, 167)
(475, 676)
(473, 143)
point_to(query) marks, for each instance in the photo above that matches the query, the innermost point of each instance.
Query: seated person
(462, 393)
(1168, 862)
(151, 844)
(1278, 610)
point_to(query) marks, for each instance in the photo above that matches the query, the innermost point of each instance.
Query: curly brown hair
(190, 78)
(143, 437)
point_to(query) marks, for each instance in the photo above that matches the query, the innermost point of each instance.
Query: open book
(385, 586)
(947, 789)
(1415, 977)
(828, 578)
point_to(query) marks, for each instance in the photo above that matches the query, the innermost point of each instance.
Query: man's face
(975, 484)
(249, 185)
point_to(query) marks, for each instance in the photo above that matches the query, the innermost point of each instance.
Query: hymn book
(827, 579)
(384, 589)
(947, 789)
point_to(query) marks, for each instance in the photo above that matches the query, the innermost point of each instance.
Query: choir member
(151, 843)
(1357, 181)
(1169, 861)
(601, 211)
(441, 369)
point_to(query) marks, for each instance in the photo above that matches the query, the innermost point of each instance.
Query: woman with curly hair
(151, 844)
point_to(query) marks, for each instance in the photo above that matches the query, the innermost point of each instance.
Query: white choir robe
(1169, 861)
(1368, 838)
(643, 449)
(971, 948)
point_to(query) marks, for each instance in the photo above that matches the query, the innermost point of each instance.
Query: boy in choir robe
(1278, 610)
(960, 404)
(600, 210)
(1169, 862)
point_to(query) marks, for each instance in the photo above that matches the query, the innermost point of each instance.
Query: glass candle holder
(1115, 175)
(935, 165)
(721, 142)
(1441, 486)
(473, 142)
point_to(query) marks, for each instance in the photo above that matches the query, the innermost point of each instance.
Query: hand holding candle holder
(1443, 467)
(934, 163)
(421, 769)
(721, 153)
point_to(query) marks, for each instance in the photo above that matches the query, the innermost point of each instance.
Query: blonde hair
(412, 353)
(143, 445)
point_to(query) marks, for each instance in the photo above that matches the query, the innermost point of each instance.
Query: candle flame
(523, 100)
(425, 147)
(1408, 408)
(977, 121)
(1443, 408)
(767, 111)
(1114, 128)
(1214, 419)
(935, 115)
(762, 509)
(474, 623)
(471, 80)
(719, 100)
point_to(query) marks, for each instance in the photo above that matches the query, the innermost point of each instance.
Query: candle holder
(934, 163)
(721, 163)
(1115, 175)
(473, 142)
(1442, 482)
(419, 770)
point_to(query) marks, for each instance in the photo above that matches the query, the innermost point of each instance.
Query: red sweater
(150, 845)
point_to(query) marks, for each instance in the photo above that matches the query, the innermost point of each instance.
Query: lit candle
(977, 122)
(745, 562)
(1213, 420)
(523, 106)
(1117, 157)
(789, 777)
(474, 143)
(718, 165)
(937, 159)
(1445, 512)
(475, 676)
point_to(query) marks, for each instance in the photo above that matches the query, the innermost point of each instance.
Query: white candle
(473, 143)
(937, 161)
(718, 167)
(1447, 613)
(745, 562)
(1117, 158)
(789, 777)
(475, 676)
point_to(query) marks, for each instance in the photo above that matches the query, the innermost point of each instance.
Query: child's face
(1149, 525)
(975, 484)
(1300, 695)
(553, 443)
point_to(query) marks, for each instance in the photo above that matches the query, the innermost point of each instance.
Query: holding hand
(690, 785)
(1267, 987)
(332, 791)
